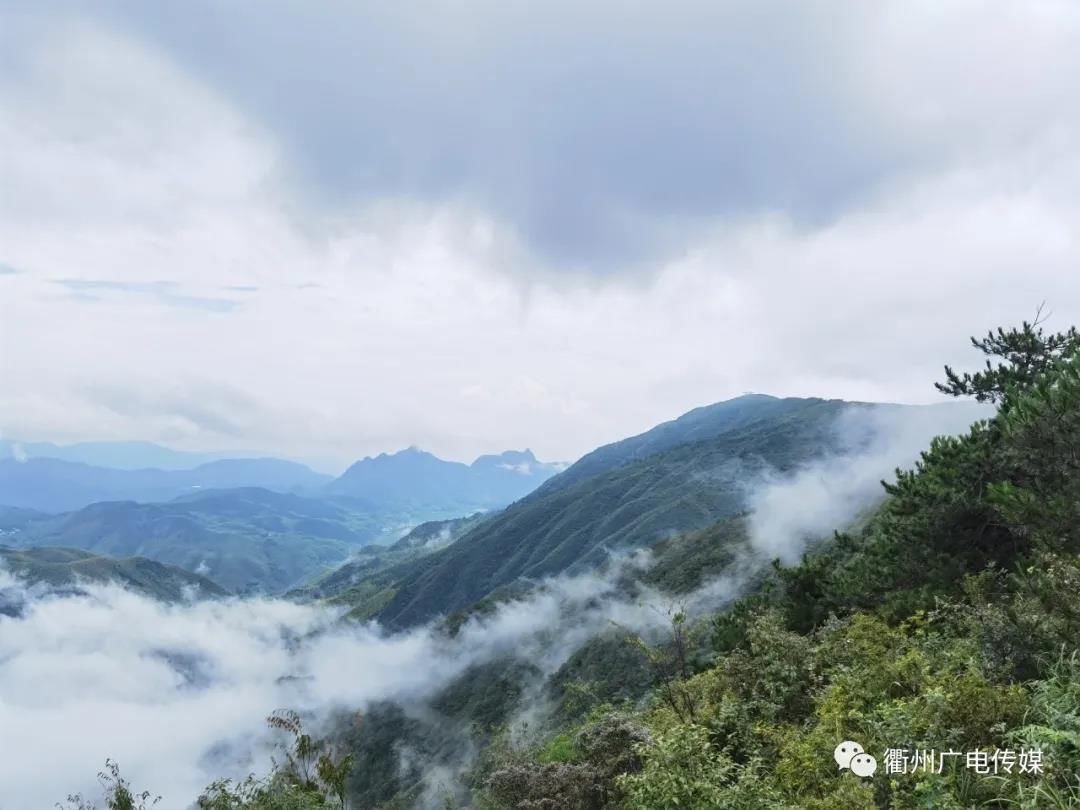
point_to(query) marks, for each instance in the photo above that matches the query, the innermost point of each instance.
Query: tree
(1027, 353)
(672, 665)
(311, 778)
(118, 793)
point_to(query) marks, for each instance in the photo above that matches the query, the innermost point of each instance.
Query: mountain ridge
(416, 477)
(61, 567)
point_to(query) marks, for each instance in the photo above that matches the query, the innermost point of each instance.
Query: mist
(178, 694)
(788, 512)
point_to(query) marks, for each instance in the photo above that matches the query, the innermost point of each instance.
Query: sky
(331, 230)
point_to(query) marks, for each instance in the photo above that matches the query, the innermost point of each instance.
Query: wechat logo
(851, 755)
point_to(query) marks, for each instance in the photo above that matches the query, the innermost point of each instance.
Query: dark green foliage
(1024, 354)
(586, 778)
(486, 694)
(950, 620)
(682, 564)
(312, 776)
(365, 583)
(609, 669)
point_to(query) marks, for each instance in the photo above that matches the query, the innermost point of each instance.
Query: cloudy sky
(325, 230)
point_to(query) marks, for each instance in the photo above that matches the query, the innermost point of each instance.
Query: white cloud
(790, 511)
(178, 694)
(402, 321)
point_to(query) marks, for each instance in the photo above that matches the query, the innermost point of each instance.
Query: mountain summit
(414, 478)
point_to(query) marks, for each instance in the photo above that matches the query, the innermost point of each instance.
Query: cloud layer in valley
(177, 694)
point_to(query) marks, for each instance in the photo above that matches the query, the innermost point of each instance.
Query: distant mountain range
(117, 455)
(53, 485)
(250, 524)
(680, 476)
(414, 478)
(408, 481)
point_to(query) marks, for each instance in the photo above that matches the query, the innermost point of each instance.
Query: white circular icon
(863, 765)
(844, 752)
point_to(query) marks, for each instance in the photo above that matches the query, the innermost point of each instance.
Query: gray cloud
(7, 270)
(214, 408)
(411, 307)
(602, 132)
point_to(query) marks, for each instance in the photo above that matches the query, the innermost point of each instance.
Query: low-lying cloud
(177, 694)
(788, 512)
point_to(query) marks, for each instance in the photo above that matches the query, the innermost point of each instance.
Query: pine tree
(1027, 353)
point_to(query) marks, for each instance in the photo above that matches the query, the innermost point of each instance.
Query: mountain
(12, 518)
(53, 485)
(416, 479)
(116, 455)
(681, 476)
(357, 583)
(436, 534)
(68, 567)
(699, 424)
(243, 539)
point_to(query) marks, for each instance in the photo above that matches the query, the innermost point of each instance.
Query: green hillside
(631, 502)
(364, 583)
(69, 566)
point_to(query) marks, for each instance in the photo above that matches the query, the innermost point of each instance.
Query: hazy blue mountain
(413, 478)
(243, 539)
(131, 455)
(682, 476)
(12, 517)
(53, 485)
(61, 567)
